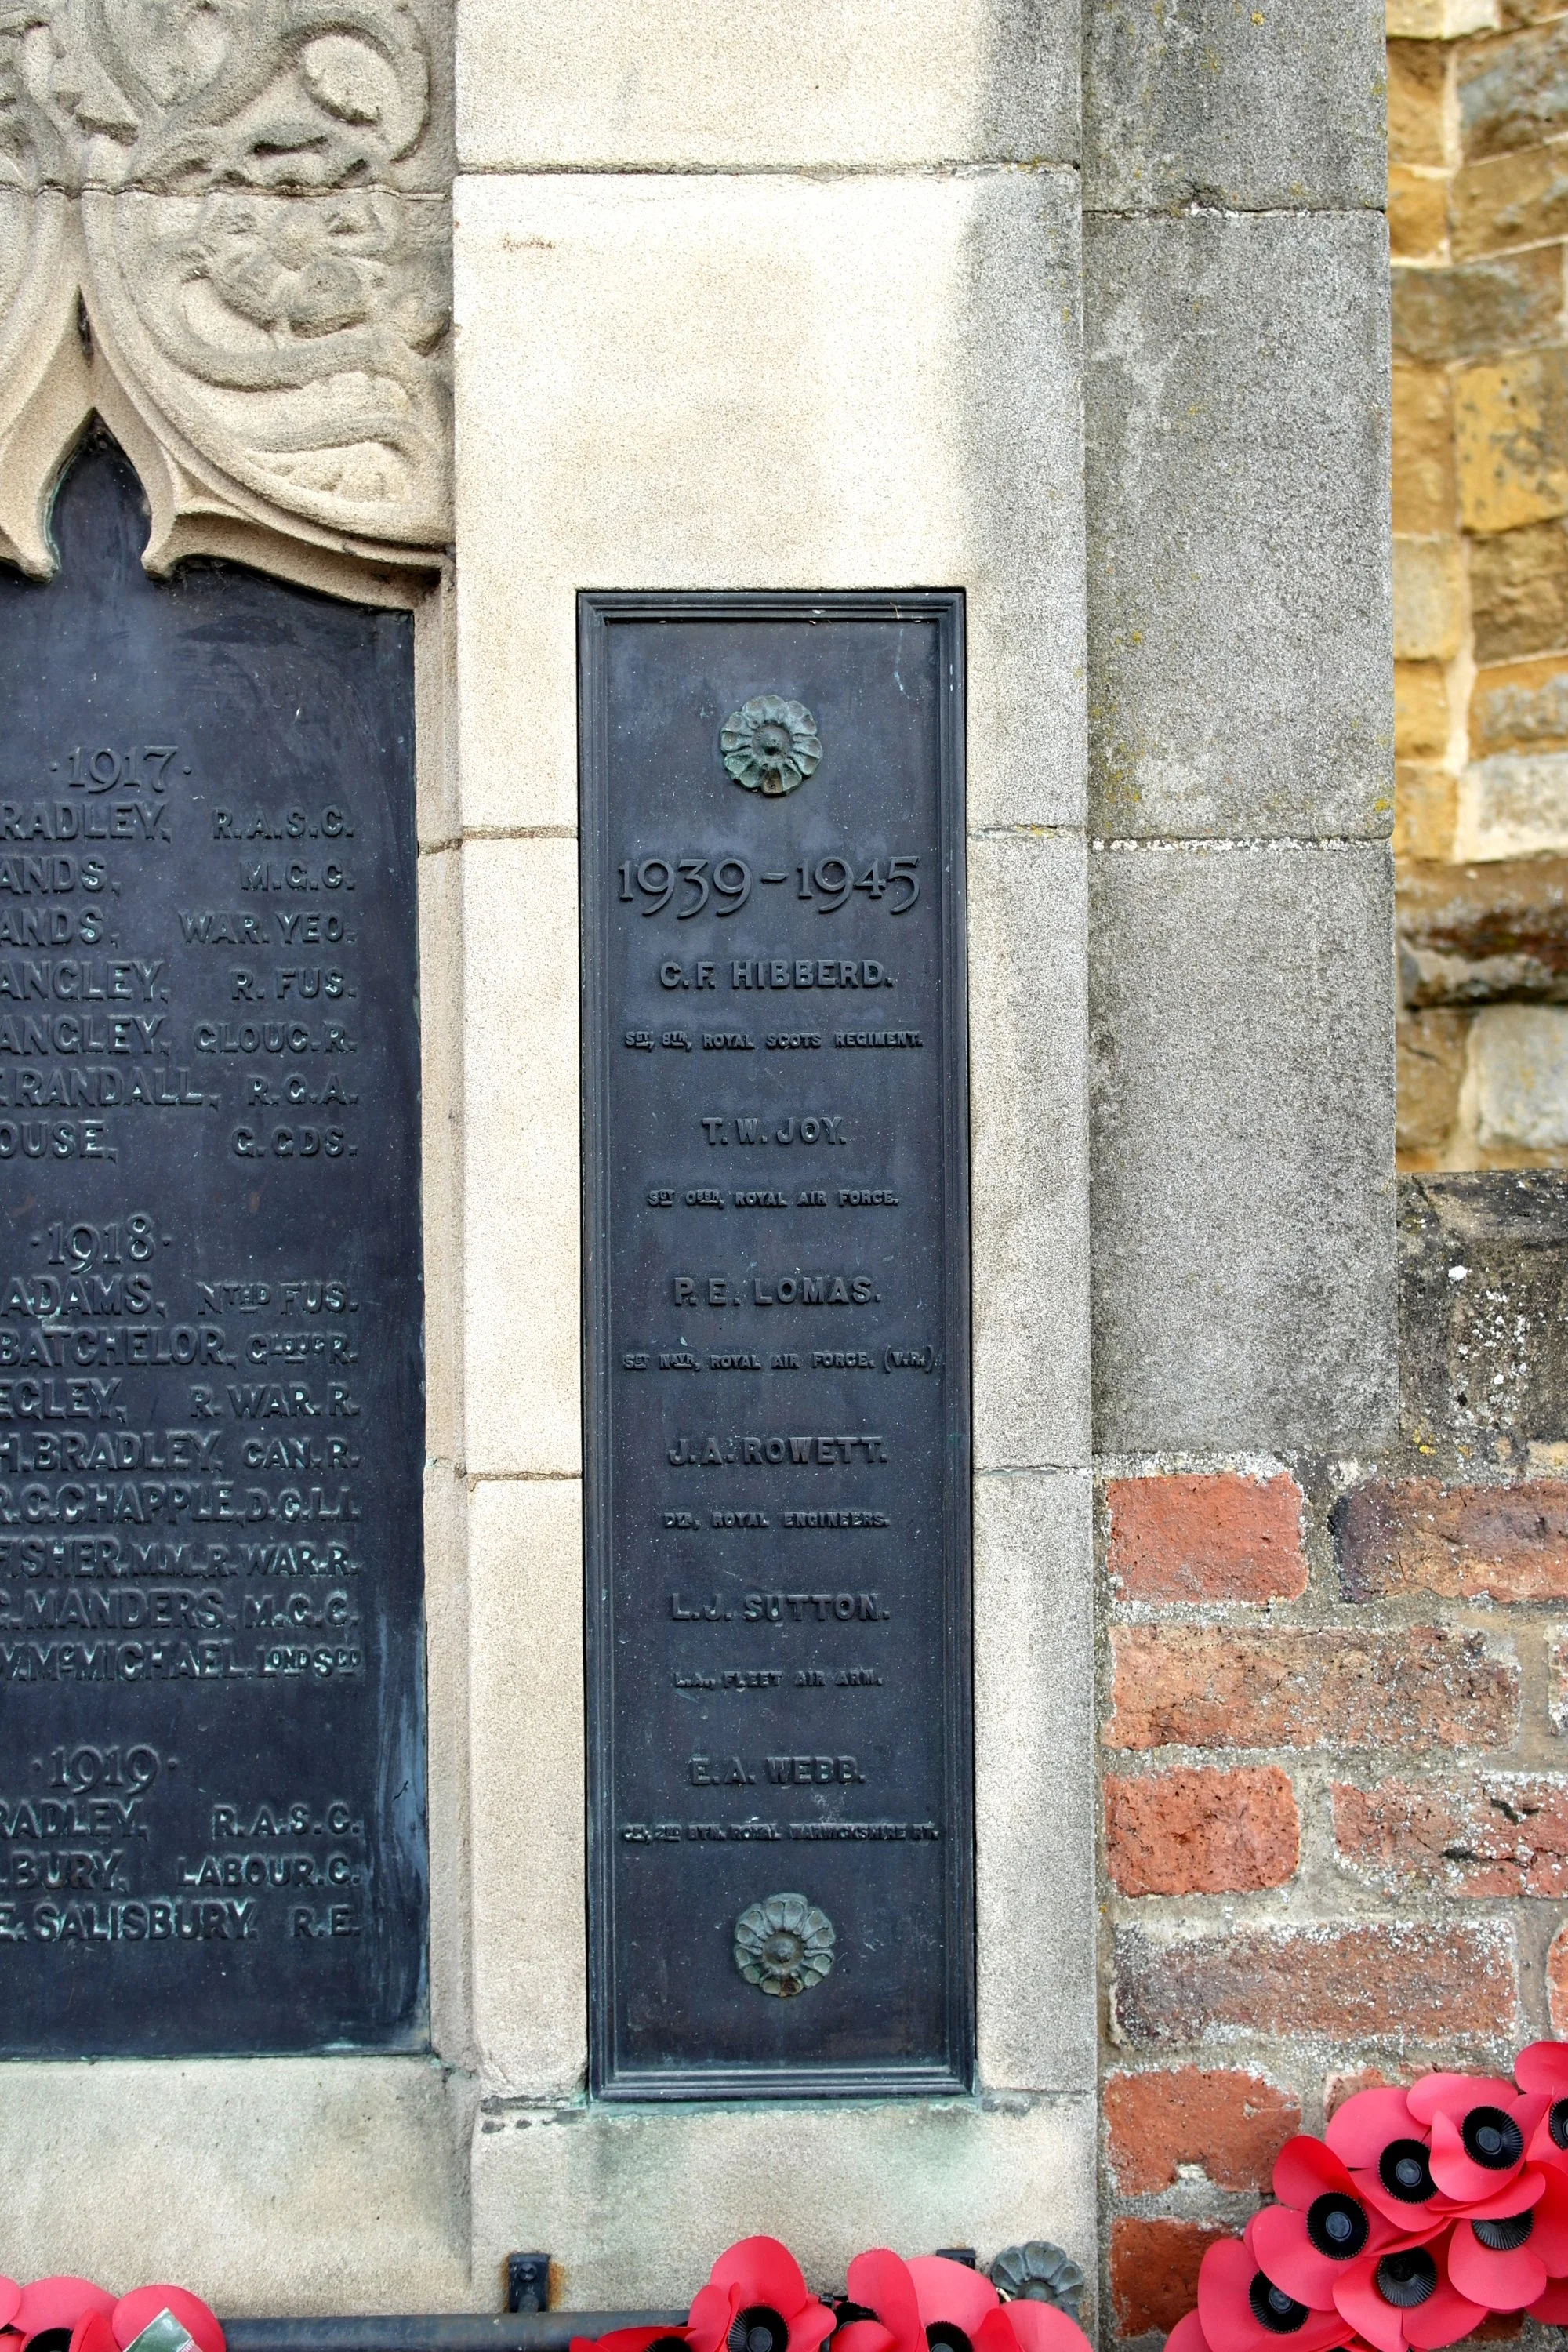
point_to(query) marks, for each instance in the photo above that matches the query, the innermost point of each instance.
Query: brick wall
(1335, 1794)
(1478, 112)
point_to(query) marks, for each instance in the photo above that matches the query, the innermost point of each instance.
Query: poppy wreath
(757, 2301)
(1418, 2215)
(71, 2314)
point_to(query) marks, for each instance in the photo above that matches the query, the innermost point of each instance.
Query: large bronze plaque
(211, 1406)
(777, 1416)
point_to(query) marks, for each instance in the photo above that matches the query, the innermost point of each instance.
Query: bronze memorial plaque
(212, 1831)
(777, 1313)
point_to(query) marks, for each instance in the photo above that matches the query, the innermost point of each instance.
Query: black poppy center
(1404, 2172)
(758, 2329)
(1557, 2124)
(1406, 2279)
(1492, 2139)
(844, 2311)
(946, 2335)
(1273, 2308)
(51, 2339)
(1337, 2225)
(1504, 2235)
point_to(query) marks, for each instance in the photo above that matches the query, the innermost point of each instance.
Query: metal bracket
(528, 2281)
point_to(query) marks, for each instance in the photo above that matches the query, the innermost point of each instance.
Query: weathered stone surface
(1202, 102)
(1242, 1040)
(596, 85)
(1484, 1322)
(1191, 1537)
(1520, 706)
(1519, 1058)
(1192, 1831)
(1506, 1835)
(1519, 591)
(1514, 92)
(631, 2201)
(1473, 312)
(1418, 74)
(1154, 2266)
(1513, 805)
(1426, 493)
(1230, 2125)
(1469, 934)
(1238, 470)
(1428, 598)
(1430, 1048)
(1337, 1980)
(1557, 1982)
(1417, 214)
(1308, 1687)
(1421, 718)
(1426, 809)
(1510, 440)
(1514, 199)
(1439, 20)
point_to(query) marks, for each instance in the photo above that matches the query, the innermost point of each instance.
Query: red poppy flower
(881, 2312)
(10, 2302)
(1320, 2223)
(49, 2303)
(1479, 2132)
(756, 2301)
(92, 2333)
(137, 2310)
(954, 2301)
(1187, 2335)
(1404, 2298)
(1024, 2326)
(1543, 2067)
(1242, 2309)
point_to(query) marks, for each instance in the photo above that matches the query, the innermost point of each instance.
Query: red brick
(1341, 1981)
(1209, 1687)
(1206, 1538)
(1505, 1834)
(1197, 1832)
(1230, 2125)
(1154, 2271)
(1465, 1543)
(1557, 1983)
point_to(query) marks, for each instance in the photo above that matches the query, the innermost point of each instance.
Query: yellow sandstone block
(1428, 599)
(1418, 88)
(1425, 497)
(1516, 199)
(1510, 440)
(1420, 710)
(1417, 214)
(1440, 20)
(1521, 706)
(1519, 591)
(1425, 810)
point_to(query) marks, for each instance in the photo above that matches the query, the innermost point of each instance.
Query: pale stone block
(1030, 1149)
(1440, 20)
(441, 1115)
(1035, 1780)
(521, 1293)
(1518, 1078)
(526, 1770)
(1428, 599)
(1237, 415)
(1200, 101)
(267, 2185)
(634, 2203)
(1514, 804)
(777, 85)
(446, 1672)
(1241, 1014)
(721, 382)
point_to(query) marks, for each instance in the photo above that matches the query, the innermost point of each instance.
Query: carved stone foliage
(225, 224)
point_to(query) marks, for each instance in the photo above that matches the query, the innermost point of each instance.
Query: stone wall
(1334, 1692)
(1478, 216)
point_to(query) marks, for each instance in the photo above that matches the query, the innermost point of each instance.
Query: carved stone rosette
(224, 225)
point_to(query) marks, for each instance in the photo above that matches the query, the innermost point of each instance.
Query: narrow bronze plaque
(777, 1418)
(211, 1405)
